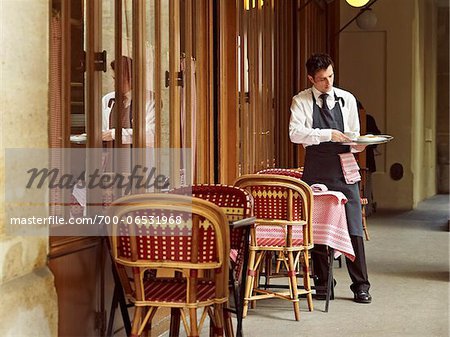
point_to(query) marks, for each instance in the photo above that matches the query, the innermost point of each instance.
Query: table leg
(118, 299)
(240, 312)
(114, 304)
(330, 285)
(236, 293)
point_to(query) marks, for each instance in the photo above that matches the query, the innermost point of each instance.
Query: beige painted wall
(27, 291)
(391, 69)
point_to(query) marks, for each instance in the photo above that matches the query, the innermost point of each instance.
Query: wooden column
(139, 92)
(228, 125)
(204, 81)
(174, 90)
(93, 77)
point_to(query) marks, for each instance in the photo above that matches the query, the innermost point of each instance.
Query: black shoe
(362, 296)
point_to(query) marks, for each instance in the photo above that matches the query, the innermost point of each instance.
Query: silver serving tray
(377, 139)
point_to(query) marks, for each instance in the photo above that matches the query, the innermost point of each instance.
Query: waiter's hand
(338, 137)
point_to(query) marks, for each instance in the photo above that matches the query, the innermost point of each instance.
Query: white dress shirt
(127, 133)
(300, 125)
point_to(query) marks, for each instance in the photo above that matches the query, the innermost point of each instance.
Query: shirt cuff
(325, 135)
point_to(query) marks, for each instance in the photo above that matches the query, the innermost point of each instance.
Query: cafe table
(330, 223)
(330, 229)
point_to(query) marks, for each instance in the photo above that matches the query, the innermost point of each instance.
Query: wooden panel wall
(228, 91)
(276, 38)
(256, 85)
(286, 44)
(204, 78)
(317, 24)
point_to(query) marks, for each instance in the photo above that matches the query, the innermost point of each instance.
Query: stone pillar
(27, 292)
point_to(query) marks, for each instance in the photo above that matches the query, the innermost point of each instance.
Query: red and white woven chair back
(294, 173)
(161, 230)
(235, 202)
(164, 241)
(280, 200)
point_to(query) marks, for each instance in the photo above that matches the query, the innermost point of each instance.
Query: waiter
(319, 117)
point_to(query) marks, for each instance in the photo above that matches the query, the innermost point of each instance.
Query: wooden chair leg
(293, 285)
(364, 221)
(136, 321)
(255, 285)
(228, 323)
(193, 323)
(250, 280)
(219, 318)
(306, 280)
(267, 269)
(212, 322)
(145, 332)
(211, 328)
(258, 266)
(279, 261)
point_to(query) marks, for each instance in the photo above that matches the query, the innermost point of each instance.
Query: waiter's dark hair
(127, 65)
(317, 62)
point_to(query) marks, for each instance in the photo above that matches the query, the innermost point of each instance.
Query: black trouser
(356, 269)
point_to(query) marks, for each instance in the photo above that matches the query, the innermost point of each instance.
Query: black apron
(323, 165)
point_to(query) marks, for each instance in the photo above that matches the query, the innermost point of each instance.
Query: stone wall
(27, 291)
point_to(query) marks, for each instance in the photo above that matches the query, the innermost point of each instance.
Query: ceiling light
(357, 3)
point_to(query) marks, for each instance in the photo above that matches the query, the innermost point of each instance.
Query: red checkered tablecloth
(330, 222)
(329, 226)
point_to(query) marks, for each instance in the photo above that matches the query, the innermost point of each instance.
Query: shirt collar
(317, 93)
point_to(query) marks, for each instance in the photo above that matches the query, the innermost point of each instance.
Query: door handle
(100, 61)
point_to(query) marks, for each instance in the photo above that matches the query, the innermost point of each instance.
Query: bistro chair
(157, 234)
(364, 201)
(237, 204)
(295, 173)
(280, 204)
